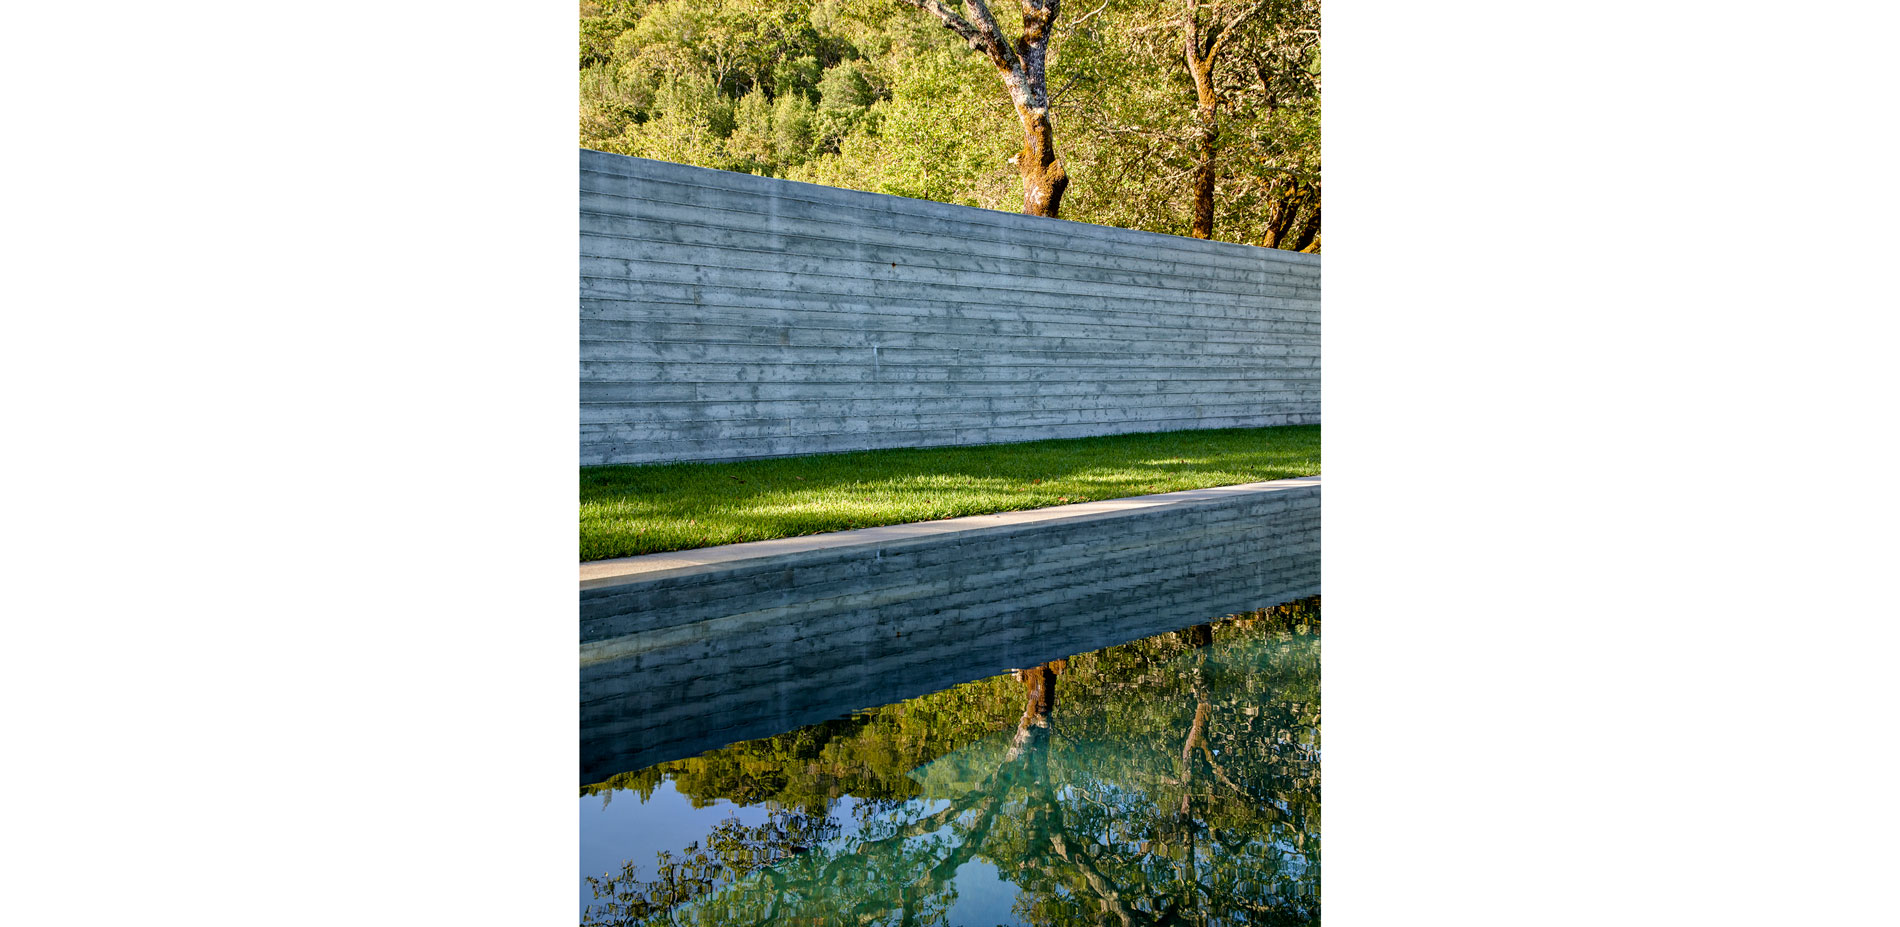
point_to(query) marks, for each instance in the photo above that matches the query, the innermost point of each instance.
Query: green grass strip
(628, 510)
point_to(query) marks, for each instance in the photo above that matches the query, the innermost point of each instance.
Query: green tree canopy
(874, 95)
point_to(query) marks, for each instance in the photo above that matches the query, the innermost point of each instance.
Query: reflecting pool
(1170, 780)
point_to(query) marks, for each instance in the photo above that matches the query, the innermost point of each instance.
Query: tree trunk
(1309, 231)
(1204, 178)
(1044, 178)
(1198, 636)
(1023, 68)
(1039, 702)
(1286, 207)
(1200, 66)
(1026, 77)
(1039, 691)
(1209, 112)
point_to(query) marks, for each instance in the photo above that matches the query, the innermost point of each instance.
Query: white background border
(290, 373)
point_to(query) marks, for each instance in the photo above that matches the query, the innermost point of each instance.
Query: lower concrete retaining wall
(680, 656)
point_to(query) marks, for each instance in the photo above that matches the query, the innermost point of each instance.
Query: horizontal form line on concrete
(614, 311)
(1100, 385)
(645, 284)
(818, 230)
(1053, 235)
(846, 422)
(631, 350)
(682, 324)
(1010, 323)
(994, 396)
(878, 419)
(1129, 366)
(1007, 285)
(951, 365)
(685, 228)
(624, 286)
(901, 256)
(970, 434)
(604, 431)
(696, 293)
(1267, 347)
(780, 371)
(635, 408)
(623, 168)
(875, 402)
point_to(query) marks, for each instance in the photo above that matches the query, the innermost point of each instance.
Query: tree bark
(1286, 208)
(1198, 53)
(1200, 49)
(1023, 66)
(1207, 135)
(1044, 178)
(1209, 150)
(1309, 230)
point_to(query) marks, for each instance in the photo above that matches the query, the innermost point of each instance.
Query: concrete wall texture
(684, 660)
(725, 316)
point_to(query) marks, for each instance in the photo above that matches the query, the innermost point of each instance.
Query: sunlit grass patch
(627, 510)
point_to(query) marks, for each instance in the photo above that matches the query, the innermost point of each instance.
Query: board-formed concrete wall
(685, 659)
(726, 316)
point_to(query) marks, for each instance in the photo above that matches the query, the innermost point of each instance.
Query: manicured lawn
(647, 509)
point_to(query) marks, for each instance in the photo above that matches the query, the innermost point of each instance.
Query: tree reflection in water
(1178, 783)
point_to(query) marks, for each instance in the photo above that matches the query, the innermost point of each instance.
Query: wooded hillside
(1190, 117)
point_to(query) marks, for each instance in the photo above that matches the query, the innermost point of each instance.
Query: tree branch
(1056, 97)
(1005, 57)
(986, 37)
(1085, 17)
(1191, 29)
(1223, 33)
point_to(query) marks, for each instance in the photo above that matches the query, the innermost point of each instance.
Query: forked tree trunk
(1286, 207)
(1022, 65)
(1309, 230)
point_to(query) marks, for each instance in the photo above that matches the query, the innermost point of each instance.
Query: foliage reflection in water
(1169, 780)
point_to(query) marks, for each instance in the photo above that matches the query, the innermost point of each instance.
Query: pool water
(1173, 779)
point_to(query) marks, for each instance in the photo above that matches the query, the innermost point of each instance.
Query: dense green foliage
(629, 510)
(1172, 776)
(875, 95)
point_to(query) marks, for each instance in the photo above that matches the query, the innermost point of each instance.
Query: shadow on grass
(627, 510)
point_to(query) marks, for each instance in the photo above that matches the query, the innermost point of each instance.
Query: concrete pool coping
(599, 574)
